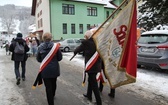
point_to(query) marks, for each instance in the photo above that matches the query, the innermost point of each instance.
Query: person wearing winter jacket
(51, 71)
(89, 48)
(19, 58)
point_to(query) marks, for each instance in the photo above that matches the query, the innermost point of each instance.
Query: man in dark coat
(19, 58)
(89, 48)
(52, 70)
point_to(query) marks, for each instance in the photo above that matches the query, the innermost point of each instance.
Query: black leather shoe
(23, 79)
(18, 81)
(111, 95)
(89, 98)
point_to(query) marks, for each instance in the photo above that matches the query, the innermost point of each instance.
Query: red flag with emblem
(116, 44)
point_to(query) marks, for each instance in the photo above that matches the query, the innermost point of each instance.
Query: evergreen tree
(153, 13)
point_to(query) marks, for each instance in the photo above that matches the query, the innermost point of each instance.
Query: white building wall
(44, 7)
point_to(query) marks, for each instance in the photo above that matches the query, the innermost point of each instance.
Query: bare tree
(8, 20)
(12, 16)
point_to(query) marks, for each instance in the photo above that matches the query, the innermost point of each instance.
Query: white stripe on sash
(89, 64)
(48, 55)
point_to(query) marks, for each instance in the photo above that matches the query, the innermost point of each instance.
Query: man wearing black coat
(89, 48)
(19, 58)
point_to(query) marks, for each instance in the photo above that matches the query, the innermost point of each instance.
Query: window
(153, 38)
(72, 28)
(107, 14)
(41, 21)
(88, 26)
(64, 28)
(70, 41)
(68, 9)
(38, 24)
(91, 11)
(40, 12)
(80, 28)
(77, 41)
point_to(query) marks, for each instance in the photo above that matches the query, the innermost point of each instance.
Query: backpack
(19, 48)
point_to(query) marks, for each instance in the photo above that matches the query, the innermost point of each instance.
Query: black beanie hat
(19, 35)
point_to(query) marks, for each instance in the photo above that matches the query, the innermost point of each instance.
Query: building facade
(69, 18)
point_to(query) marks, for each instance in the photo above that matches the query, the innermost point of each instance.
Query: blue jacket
(52, 70)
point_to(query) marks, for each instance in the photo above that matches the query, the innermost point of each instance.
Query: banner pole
(72, 57)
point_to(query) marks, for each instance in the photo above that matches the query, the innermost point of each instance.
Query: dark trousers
(50, 84)
(93, 86)
(101, 86)
(112, 91)
(17, 72)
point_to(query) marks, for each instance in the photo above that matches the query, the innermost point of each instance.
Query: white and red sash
(101, 77)
(91, 61)
(89, 65)
(49, 56)
(44, 63)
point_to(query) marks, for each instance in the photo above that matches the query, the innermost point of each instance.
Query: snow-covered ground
(10, 94)
(150, 84)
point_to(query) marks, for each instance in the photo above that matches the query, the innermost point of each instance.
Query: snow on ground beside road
(149, 84)
(9, 93)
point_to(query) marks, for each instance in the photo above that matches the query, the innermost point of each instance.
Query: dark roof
(113, 3)
(33, 7)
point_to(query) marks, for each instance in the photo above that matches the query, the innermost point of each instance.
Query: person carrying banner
(92, 66)
(49, 55)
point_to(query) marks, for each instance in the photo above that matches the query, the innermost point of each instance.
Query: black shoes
(89, 98)
(112, 93)
(18, 81)
(23, 79)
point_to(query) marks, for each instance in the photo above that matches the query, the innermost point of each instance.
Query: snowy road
(151, 84)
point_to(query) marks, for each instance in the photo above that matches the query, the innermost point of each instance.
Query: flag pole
(72, 57)
(110, 16)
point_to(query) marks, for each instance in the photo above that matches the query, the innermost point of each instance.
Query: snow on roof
(32, 28)
(109, 5)
(156, 32)
(103, 2)
(92, 1)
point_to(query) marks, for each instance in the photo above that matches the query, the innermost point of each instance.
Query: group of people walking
(33, 43)
(49, 55)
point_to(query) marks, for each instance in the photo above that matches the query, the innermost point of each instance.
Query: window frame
(80, 28)
(73, 28)
(64, 27)
(68, 9)
(91, 11)
(88, 27)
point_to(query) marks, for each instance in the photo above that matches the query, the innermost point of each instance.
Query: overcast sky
(27, 3)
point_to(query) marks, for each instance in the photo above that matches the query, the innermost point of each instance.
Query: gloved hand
(75, 52)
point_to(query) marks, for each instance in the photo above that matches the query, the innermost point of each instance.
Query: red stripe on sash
(49, 59)
(92, 62)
